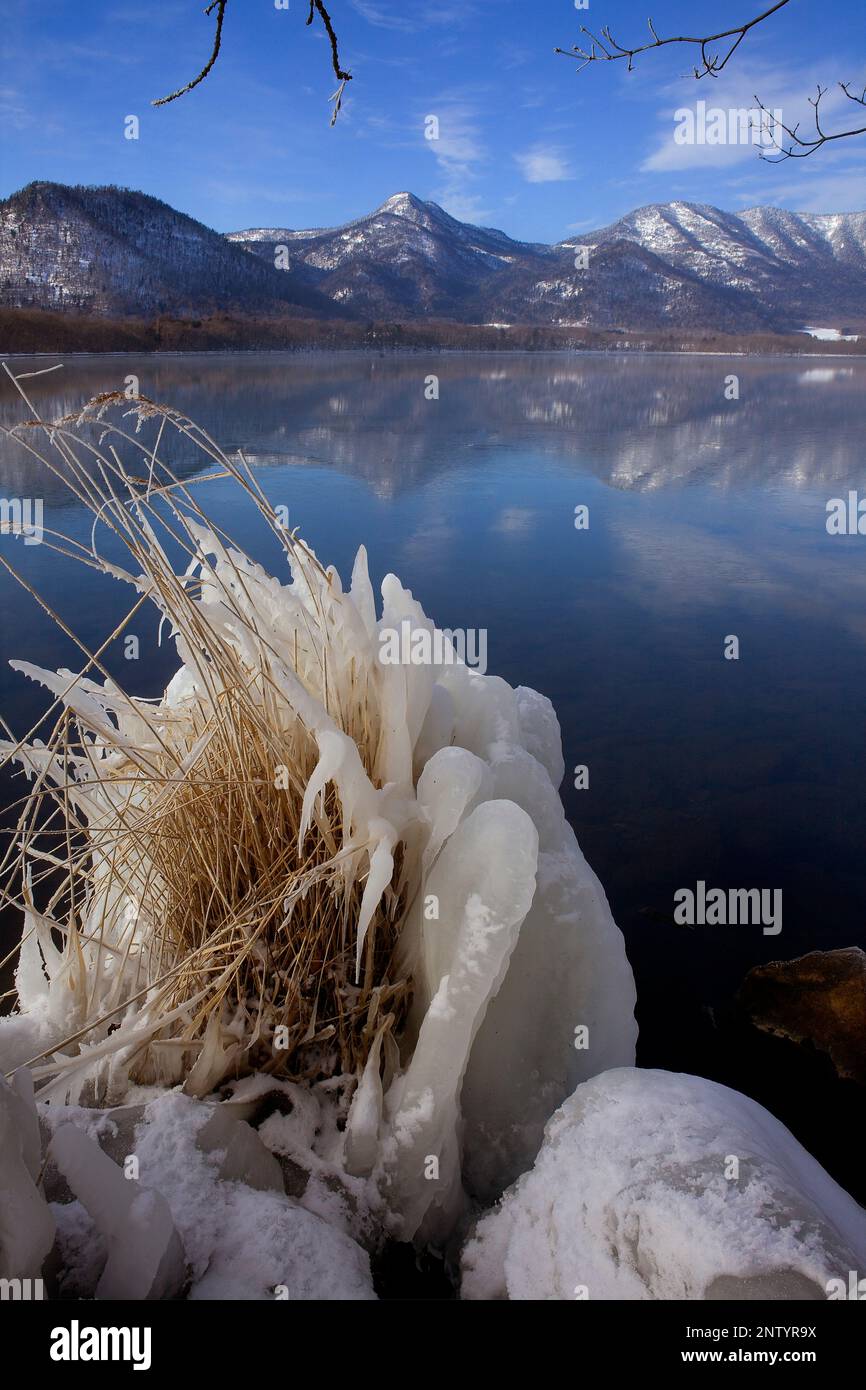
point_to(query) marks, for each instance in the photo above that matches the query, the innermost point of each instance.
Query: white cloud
(540, 165)
(462, 204)
(736, 90)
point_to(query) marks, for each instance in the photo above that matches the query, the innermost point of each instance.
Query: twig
(317, 5)
(607, 50)
(798, 147)
(339, 72)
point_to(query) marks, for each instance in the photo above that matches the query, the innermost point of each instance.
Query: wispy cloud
(463, 204)
(810, 187)
(457, 145)
(14, 112)
(540, 165)
(414, 16)
(383, 18)
(459, 152)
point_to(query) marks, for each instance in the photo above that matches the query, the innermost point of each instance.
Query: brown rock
(819, 998)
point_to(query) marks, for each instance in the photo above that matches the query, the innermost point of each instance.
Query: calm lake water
(707, 518)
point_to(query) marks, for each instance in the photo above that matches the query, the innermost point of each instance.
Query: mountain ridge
(118, 251)
(104, 249)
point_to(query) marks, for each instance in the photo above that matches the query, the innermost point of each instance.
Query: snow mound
(655, 1185)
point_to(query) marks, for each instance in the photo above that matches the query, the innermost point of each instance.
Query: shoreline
(394, 351)
(31, 333)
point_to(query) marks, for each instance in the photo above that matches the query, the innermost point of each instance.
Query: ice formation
(655, 1185)
(433, 789)
(144, 1256)
(207, 1217)
(26, 1224)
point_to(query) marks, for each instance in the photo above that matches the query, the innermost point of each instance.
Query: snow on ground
(831, 335)
(238, 1241)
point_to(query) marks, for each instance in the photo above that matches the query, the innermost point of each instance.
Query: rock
(245, 1158)
(112, 1129)
(820, 999)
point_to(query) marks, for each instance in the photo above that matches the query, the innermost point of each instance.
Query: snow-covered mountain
(667, 264)
(801, 268)
(406, 258)
(117, 252)
(689, 265)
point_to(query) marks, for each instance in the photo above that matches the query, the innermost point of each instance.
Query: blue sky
(525, 142)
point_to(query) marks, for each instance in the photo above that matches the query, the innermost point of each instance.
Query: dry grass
(202, 931)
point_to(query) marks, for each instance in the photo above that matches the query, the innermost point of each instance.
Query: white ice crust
(656, 1185)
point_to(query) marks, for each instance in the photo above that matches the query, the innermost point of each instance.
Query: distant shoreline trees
(28, 331)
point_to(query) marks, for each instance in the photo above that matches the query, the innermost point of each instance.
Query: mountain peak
(403, 205)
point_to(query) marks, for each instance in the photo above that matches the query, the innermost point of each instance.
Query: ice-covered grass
(300, 861)
(211, 882)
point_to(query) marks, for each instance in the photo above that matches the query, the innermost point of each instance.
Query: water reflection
(636, 423)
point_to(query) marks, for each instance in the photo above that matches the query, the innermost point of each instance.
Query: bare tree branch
(316, 7)
(342, 77)
(607, 50)
(795, 146)
(220, 7)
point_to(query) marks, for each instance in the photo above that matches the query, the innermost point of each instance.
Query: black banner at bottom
(64, 1339)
